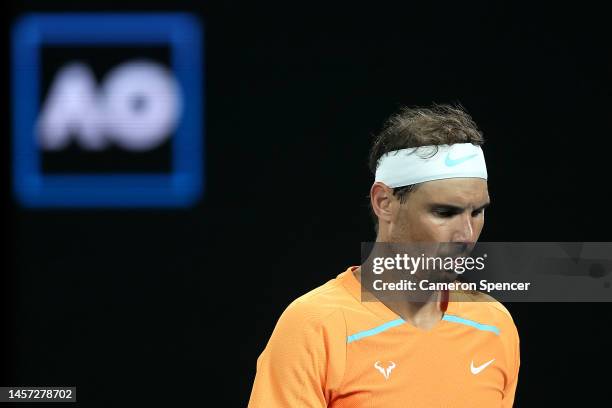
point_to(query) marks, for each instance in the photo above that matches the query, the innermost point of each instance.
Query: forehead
(459, 191)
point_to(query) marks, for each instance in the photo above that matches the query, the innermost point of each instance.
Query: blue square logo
(93, 130)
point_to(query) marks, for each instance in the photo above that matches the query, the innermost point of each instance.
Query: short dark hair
(439, 124)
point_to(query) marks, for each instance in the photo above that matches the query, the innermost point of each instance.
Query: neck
(423, 315)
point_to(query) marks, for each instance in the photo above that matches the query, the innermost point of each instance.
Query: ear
(381, 198)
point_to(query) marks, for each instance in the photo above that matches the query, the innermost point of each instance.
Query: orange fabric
(328, 349)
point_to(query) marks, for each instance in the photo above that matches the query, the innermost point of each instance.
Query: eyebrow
(455, 208)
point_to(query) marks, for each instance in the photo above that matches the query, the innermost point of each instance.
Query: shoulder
(310, 332)
(306, 352)
(321, 309)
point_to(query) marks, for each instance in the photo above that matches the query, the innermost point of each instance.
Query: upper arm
(303, 361)
(513, 369)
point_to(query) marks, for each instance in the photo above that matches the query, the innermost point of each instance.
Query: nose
(464, 231)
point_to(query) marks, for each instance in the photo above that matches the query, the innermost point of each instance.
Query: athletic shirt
(329, 349)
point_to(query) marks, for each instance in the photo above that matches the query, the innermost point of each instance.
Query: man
(329, 349)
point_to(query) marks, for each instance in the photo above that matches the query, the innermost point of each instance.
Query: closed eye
(479, 210)
(476, 213)
(446, 212)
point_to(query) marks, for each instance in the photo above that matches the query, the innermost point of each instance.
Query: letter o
(142, 104)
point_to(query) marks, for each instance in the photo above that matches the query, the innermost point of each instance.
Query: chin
(440, 276)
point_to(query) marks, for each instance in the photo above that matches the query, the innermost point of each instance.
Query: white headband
(404, 167)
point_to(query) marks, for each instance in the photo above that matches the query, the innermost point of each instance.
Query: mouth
(455, 249)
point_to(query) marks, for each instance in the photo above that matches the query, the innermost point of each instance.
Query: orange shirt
(328, 349)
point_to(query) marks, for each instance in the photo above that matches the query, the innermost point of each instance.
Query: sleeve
(303, 362)
(510, 388)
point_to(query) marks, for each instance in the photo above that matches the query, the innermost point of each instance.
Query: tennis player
(329, 349)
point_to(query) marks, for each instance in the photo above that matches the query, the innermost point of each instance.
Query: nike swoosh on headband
(453, 162)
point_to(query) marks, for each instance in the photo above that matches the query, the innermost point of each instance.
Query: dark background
(143, 306)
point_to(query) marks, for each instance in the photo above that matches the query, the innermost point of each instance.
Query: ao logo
(136, 107)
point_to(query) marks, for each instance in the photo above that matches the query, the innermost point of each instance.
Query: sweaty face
(450, 210)
(441, 211)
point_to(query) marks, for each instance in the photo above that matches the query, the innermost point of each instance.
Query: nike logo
(386, 372)
(476, 370)
(453, 162)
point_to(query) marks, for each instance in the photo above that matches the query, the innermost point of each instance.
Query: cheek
(430, 228)
(478, 224)
(439, 229)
